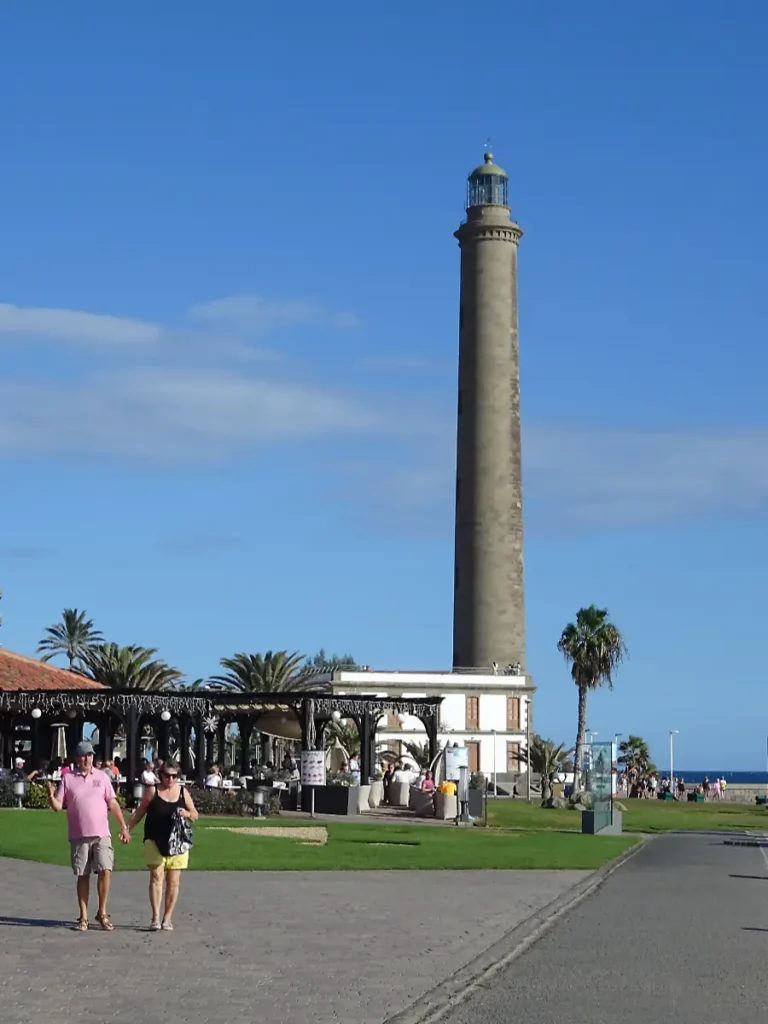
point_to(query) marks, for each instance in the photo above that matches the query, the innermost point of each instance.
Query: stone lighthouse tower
(489, 606)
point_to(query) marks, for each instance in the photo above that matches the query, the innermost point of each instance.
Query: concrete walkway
(278, 947)
(680, 933)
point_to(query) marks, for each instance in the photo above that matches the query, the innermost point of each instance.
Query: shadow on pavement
(755, 878)
(754, 929)
(32, 922)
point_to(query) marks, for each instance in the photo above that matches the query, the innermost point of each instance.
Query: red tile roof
(17, 672)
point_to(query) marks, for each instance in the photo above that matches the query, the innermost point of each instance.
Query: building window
(472, 713)
(513, 757)
(513, 713)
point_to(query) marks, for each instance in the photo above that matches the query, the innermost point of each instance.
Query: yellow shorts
(155, 859)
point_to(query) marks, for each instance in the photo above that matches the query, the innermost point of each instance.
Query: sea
(733, 778)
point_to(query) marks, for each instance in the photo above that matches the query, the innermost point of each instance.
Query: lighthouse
(489, 595)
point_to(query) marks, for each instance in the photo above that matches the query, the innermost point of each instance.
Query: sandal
(154, 926)
(167, 926)
(80, 925)
(105, 922)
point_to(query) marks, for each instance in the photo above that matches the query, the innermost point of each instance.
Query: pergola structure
(33, 714)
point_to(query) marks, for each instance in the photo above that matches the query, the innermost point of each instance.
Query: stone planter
(342, 800)
(399, 794)
(422, 804)
(445, 806)
(376, 794)
(363, 797)
(475, 807)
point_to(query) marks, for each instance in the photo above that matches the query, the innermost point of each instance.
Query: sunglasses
(169, 775)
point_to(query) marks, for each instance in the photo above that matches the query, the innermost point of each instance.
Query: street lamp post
(493, 734)
(528, 749)
(672, 734)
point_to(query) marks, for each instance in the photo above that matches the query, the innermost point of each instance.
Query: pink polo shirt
(86, 801)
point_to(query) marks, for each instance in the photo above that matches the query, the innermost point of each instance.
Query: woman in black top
(159, 807)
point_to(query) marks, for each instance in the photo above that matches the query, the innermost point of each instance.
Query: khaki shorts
(92, 855)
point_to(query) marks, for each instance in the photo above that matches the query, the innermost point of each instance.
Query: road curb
(443, 997)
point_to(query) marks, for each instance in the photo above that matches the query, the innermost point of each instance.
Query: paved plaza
(280, 947)
(678, 934)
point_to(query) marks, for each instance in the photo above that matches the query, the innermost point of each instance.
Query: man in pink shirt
(87, 796)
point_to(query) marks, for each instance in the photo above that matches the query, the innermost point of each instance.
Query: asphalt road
(680, 933)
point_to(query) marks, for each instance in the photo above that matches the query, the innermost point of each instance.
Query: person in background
(87, 796)
(159, 807)
(213, 779)
(402, 775)
(448, 787)
(387, 780)
(148, 776)
(354, 767)
(428, 783)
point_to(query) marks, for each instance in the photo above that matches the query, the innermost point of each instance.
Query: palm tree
(635, 754)
(594, 647)
(547, 758)
(346, 732)
(272, 672)
(73, 636)
(418, 753)
(128, 668)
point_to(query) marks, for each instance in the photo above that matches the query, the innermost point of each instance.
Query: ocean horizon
(733, 778)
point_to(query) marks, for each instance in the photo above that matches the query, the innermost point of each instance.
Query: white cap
(19, 761)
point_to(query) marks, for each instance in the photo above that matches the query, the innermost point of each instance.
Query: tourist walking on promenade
(87, 796)
(161, 808)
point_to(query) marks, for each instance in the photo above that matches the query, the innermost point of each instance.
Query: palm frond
(129, 668)
(272, 672)
(72, 637)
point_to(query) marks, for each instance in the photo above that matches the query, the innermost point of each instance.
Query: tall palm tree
(272, 672)
(73, 636)
(594, 648)
(128, 668)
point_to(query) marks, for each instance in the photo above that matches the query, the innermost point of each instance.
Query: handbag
(181, 837)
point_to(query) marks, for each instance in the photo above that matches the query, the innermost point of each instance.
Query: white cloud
(251, 313)
(631, 478)
(579, 479)
(74, 325)
(179, 415)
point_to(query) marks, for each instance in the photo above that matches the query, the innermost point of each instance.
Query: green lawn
(41, 836)
(640, 816)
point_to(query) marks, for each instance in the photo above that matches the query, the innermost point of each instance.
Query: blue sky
(228, 305)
